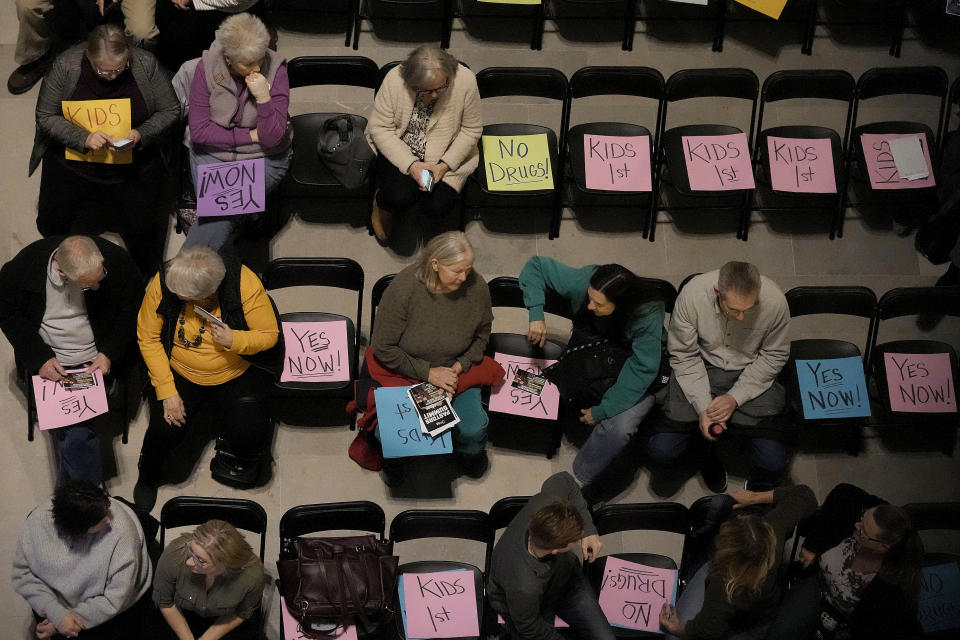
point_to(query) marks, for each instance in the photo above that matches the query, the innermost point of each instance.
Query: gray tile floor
(312, 465)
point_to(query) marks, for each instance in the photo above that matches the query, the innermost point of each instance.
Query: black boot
(474, 465)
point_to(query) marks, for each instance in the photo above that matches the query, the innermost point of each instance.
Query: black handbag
(344, 151)
(585, 372)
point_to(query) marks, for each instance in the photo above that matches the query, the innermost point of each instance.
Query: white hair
(244, 38)
(79, 257)
(195, 273)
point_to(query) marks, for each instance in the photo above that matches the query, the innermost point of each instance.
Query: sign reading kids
(230, 188)
(517, 163)
(60, 404)
(920, 382)
(882, 166)
(110, 116)
(518, 401)
(718, 163)
(400, 433)
(439, 605)
(617, 163)
(632, 594)
(315, 352)
(801, 165)
(833, 388)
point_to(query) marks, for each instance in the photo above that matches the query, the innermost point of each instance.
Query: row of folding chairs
(612, 18)
(731, 102)
(482, 527)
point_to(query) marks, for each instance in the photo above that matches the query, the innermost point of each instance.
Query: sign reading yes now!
(517, 163)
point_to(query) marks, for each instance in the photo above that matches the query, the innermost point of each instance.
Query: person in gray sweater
(81, 563)
(534, 574)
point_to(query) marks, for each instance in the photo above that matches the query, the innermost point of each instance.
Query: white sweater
(96, 577)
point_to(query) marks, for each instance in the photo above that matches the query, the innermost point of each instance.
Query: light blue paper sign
(400, 434)
(939, 601)
(833, 388)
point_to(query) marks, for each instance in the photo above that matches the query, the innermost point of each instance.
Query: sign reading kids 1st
(920, 382)
(315, 352)
(617, 163)
(439, 605)
(230, 188)
(801, 165)
(718, 163)
(882, 167)
(517, 163)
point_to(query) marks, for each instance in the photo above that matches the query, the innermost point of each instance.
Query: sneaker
(474, 465)
(714, 475)
(26, 75)
(144, 496)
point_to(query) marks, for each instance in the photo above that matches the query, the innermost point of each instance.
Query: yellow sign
(517, 163)
(110, 116)
(772, 8)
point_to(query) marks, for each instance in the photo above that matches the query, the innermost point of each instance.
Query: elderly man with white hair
(200, 362)
(66, 302)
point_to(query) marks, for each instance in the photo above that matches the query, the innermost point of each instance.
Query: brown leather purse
(336, 579)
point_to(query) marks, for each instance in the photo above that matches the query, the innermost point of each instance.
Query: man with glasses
(60, 310)
(728, 342)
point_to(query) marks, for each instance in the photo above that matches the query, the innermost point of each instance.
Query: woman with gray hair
(433, 325)
(239, 100)
(425, 127)
(201, 320)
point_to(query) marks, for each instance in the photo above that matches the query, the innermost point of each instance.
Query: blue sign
(400, 434)
(938, 606)
(833, 388)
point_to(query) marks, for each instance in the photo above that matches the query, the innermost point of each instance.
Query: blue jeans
(607, 440)
(578, 607)
(78, 450)
(690, 603)
(768, 457)
(217, 231)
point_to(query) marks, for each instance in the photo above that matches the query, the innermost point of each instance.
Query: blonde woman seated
(195, 363)
(426, 118)
(735, 594)
(209, 585)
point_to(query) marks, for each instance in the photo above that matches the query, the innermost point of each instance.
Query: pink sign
(58, 406)
(801, 165)
(230, 188)
(881, 167)
(617, 163)
(507, 398)
(316, 352)
(292, 631)
(440, 605)
(718, 163)
(557, 622)
(632, 594)
(920, 382)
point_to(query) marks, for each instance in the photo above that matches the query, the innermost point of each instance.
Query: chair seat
(576, 154)
(307, 173)
(814, 349)
(433, 566)
(808, 132)
(310, 388)
(595, 573)
(672, 145)
(878, 377)
(538, 197)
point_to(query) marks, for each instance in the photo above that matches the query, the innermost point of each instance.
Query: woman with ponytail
(862, 561)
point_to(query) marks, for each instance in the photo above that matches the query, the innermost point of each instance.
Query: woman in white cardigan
(426, 120)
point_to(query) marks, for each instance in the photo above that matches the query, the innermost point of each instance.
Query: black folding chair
(495, 21)
(889, 14)
(822, 84)
(185, 511)
(642, 82)
(376, 294)
(505, 510)
(298, 14)
(539, 82)
(405, 12)
(671, 181)
(942, 518)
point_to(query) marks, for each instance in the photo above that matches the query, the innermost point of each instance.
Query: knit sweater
(644, 329)
(96, 578)
(417, 329)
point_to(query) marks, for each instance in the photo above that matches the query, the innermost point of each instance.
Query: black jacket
(112, 309)
(882, 612)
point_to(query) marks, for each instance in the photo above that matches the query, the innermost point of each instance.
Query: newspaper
(434, 409)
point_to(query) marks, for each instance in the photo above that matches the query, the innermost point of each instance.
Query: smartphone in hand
(426, 179)
(122, 143)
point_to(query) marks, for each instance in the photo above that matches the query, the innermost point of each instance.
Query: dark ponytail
(621, 287)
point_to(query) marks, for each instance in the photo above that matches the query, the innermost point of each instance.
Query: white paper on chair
(908, 156)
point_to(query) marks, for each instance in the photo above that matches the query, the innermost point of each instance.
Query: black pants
(240, 407)
(135, 207)
(126, 625)
(397, 192)
(198, 625)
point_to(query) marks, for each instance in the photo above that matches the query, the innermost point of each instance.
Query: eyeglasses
(437, 90)
(197, 559)
(104, 73)
(104, 267)
(861, 529)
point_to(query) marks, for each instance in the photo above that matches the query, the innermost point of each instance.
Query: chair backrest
(505, 291)
(843, 300)
(643, 82)
(376, 294)
(927, 516)
(384, 70)
(183, 511)
(953, 100)
(821, 84)
(355, 71)
(359, 515)
(464, 524)
(505, 510)
(888, 81)
(342, 273)
(664, 290)
(713, 83)
(542, 82)
(684, 282)
(653, 516)
(906, 301)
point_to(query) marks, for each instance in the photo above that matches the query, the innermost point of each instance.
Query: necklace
(196, 341)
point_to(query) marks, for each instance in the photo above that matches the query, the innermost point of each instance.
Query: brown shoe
(25, 76)
(382, 222)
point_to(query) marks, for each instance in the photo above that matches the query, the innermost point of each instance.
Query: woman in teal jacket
(608, 301)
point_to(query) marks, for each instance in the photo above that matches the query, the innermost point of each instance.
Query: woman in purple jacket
(239, 98)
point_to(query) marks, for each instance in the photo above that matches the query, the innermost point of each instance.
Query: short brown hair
(555, 525)
(739, 277)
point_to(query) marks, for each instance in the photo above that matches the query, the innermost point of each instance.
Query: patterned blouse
(416, 133)
(843, 587)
